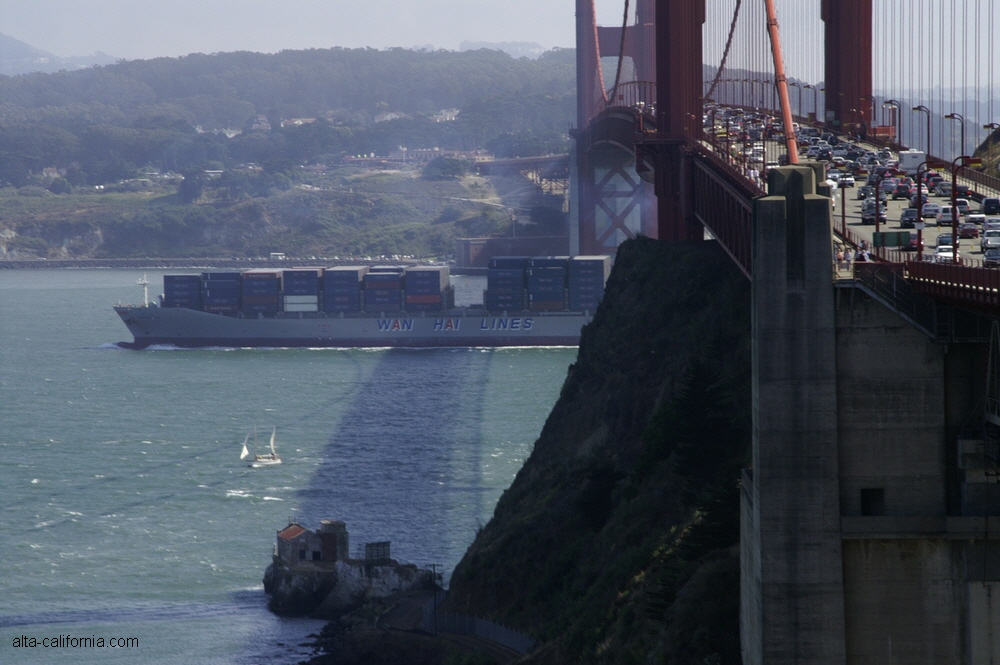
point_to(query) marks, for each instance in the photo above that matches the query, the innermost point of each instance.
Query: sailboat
(260, 459)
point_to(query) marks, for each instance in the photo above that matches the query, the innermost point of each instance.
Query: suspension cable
(621, 57)
(725, 53)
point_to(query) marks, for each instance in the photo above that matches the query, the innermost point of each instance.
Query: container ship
(528, 301)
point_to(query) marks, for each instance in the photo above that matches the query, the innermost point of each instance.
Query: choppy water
(125, 512)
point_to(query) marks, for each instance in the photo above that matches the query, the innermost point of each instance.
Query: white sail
(273, 432)
(246, 453)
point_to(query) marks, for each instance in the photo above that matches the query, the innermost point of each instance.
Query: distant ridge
(513, 49)
(17, 57)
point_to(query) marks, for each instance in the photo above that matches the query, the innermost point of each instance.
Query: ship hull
(177, 326)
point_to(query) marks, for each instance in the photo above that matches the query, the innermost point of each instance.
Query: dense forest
(100, 125)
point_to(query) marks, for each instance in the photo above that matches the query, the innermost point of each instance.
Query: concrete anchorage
(865, 520)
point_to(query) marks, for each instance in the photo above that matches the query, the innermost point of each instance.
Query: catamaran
(260, 459)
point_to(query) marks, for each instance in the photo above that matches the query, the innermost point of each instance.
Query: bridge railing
(956, 283)
(635, 94)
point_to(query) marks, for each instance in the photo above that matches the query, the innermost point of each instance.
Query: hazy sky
(135, 29)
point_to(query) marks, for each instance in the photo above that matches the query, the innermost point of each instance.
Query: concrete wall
(891, 417)
(905, 601)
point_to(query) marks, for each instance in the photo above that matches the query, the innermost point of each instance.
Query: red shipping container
(423, 299)
(546, 305)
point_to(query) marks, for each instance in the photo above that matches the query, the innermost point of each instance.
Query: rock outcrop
(330, 589)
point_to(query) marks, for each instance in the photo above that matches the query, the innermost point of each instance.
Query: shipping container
(258, 274)
(187, 303)
(260, 287)
(508, 262)
(427, 279)
(220, 300)
(301, 289)
(512, 273)
(397, 270)
(342, 275)
(221, 276)
(300, 300)
(548, 261)
(221, 284)
(260, 300)
(412, 299)
(302, 308)
(590, 265)
(343, 290)
(181, 278)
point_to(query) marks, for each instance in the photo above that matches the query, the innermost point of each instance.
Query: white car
(846, 180)
(931, 210)
(944, 254)
(990, 239)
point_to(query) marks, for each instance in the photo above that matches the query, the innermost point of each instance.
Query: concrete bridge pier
(792, 596)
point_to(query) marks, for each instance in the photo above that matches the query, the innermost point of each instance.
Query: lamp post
(961, 120)
(928, 112)
(799, 87)
(966, 161)
(921, 170)
(895, 106)
(993, 126)
(815, 103)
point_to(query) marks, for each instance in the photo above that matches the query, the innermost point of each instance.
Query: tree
(191, 188)
(444, 168)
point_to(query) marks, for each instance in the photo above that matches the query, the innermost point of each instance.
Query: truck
(910, 160)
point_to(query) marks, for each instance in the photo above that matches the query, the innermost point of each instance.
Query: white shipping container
(301, 308)
(301, 300)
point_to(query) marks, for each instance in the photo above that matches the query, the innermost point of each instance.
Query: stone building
(295, 543)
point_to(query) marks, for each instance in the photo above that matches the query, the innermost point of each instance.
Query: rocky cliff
(616, 541)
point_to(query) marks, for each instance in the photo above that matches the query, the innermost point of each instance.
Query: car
(943, 188)
(976, 218)
(868, 213)
(944, 240)
(991, 223)
(991, 258)
(990, 206)
(846, 180)
(907, 218)
(964, 191)
(888, 185)
(963, 206)
(930, 210)
(912, 246)
(944, 254)
(990, 239)
(967, 230)
(865, 192)
(945, 215)
(900, 191)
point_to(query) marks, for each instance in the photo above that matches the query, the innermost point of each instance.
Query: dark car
(866, 192)
(963, 191)
(967, 230)
(991, 206)
(901, 191)
(908, 217)
(868, 213)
